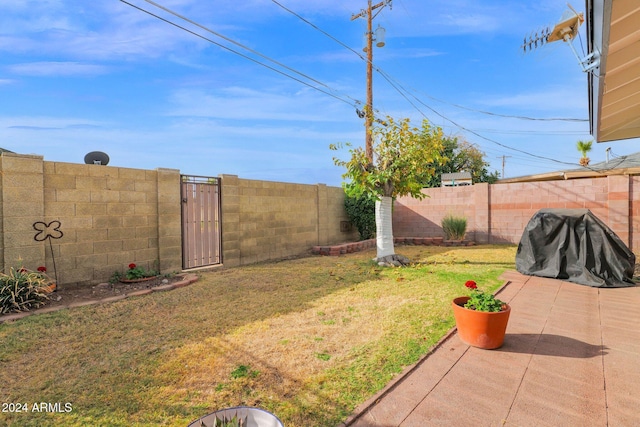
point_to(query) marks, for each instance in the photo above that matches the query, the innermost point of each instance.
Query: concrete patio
(571, 357)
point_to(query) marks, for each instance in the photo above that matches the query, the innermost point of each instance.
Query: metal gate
(201, 234)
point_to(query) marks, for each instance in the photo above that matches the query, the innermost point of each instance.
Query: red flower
(132, 266)
(22, 270)
(42, 269)
(471, 284)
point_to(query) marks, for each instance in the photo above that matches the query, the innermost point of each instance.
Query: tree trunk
(384, 228)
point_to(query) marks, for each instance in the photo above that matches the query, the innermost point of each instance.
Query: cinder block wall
(498, 213)
(263, 220)
(634, 212)
(422, 218)
(109, 217)
(513, 205)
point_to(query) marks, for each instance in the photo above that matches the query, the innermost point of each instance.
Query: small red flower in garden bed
(42, 269)
(134, 272)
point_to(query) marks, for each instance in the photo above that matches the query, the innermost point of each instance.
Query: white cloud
(551, 99)
(44, 122)
(57, 69)
(241, 103)
(90, 31)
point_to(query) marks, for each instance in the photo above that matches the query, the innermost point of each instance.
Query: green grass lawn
(307, 339)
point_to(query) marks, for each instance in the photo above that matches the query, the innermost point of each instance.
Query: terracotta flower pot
(49, 288)
(480, 329)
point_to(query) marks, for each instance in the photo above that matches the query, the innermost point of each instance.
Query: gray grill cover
(574, 245)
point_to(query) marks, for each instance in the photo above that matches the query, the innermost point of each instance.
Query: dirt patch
(74, 296)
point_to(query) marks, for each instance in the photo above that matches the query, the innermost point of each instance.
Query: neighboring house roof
(456, 178)
(621, 165)
(2, 150)
(457, 175)
(613, 34)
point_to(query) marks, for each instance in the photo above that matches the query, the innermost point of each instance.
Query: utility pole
(368, 110)
(503, 161)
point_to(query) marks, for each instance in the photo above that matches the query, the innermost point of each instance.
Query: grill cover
(574, 245)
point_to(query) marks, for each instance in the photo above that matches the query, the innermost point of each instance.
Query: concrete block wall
(498, 213)
(331, 213)
(513, 205)
(22, 203)
(264, 220)
(109, 217)
(634, 212)
(422, 218)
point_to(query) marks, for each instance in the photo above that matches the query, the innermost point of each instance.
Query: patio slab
(570, 357)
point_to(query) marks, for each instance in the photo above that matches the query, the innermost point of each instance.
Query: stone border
(347, 248)
(188, 279)
(344, 248)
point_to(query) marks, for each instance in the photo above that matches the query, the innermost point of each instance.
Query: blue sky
(104, 76)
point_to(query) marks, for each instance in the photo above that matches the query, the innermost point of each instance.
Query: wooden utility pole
(368, 109)
(503, 162)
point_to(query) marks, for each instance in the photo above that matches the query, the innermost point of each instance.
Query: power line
(401, 90)
(255, 52)
(508, 116)
(532, 132)
(428, 96)
(319, 29)
(353, 104)
(470, 130)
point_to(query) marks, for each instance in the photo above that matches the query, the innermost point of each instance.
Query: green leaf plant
(482, 301)
(403, 160)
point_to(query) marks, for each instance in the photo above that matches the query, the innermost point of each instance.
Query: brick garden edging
(347, 248)
(187, 280)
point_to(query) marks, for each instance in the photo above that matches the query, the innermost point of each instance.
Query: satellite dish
(96, 158)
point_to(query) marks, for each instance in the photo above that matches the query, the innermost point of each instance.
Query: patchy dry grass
(308, 339)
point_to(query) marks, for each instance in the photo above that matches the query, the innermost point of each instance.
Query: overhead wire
(389, 78)
(354, 102)
(255, 52)
(508, 116)
(402, 91)
(314, 26)
(431, 97)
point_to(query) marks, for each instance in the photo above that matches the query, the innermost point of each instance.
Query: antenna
(565, 30)
(96, 158)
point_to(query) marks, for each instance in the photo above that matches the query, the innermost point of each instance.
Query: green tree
(404, 158)
(459, 156)
(584, 147)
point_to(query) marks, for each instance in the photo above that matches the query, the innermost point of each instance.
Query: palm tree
(584, 147)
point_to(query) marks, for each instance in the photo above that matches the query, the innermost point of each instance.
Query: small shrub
(22, 290)
(134, 272)
(362, 214)
(454, 227)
